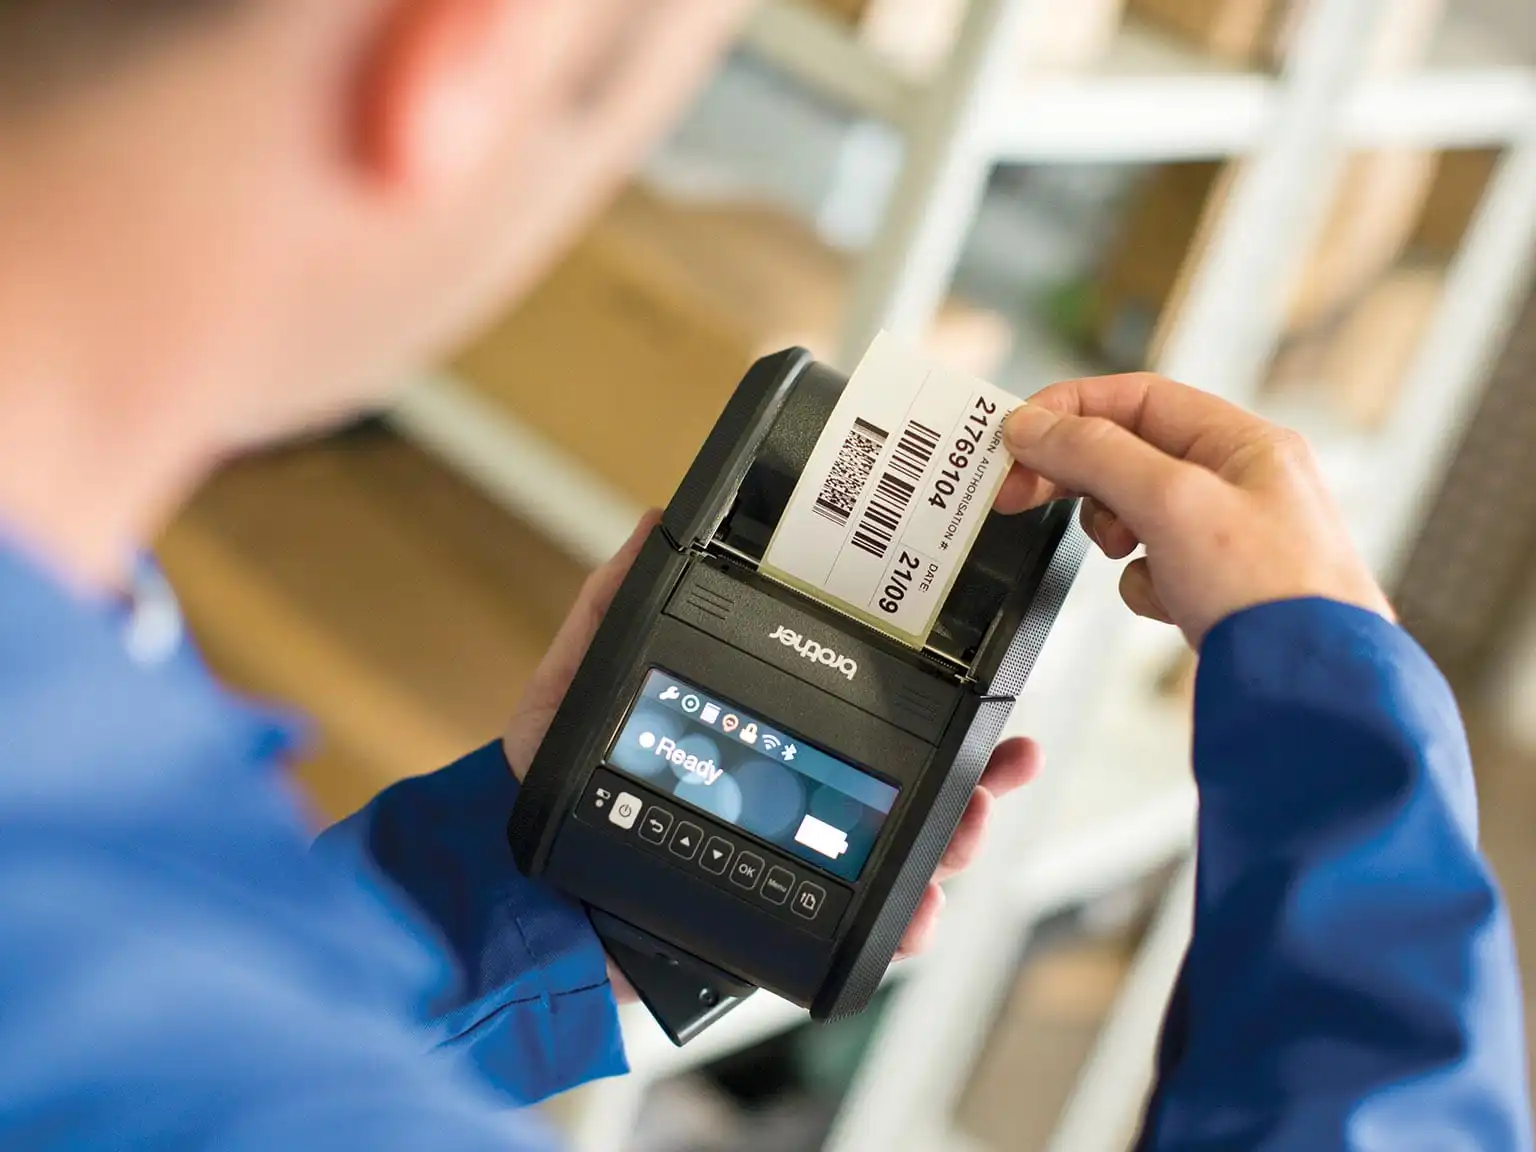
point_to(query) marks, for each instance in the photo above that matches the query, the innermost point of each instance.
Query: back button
(655, 825)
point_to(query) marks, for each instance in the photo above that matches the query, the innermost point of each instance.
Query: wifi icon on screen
(771, 742)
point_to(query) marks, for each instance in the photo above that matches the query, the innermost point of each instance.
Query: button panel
(719, 856)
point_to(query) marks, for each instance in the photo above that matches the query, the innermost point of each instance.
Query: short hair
(48, 43)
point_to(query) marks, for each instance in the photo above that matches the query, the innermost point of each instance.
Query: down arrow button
(717, 855)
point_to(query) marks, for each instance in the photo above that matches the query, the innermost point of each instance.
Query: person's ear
(437, 87)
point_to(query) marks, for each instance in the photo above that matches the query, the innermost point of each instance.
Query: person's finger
(1184, 422)
(1022, 490)
(623, 991)
(1140, 594)
(970, 834)
(1108, 531)
(547, 687)
(1014, 763)
(924, 925)
(592, 603)
(1103, 460)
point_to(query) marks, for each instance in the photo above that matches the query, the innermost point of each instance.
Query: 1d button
(685, 841)
(778, 885)
(809, 900)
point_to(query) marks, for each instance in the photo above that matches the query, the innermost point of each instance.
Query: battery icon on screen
(822, 837)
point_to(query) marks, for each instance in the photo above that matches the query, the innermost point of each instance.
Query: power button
(626, 810)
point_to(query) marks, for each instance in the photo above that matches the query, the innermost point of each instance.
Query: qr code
(856, 459)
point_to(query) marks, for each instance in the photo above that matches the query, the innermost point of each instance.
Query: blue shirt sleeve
(180, 970)
(1351, 982)
(533, 1008)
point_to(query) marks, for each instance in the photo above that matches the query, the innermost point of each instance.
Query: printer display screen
(730, 763)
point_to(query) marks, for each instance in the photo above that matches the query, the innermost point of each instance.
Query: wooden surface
(1028, 1070)
(361, 583)
(1154, 256)
(1239, 31)
(1461, 180)
(1378, 206)
(627, 353)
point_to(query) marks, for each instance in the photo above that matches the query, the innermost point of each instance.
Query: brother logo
(814, 651)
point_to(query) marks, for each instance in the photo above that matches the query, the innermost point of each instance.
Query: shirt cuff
(533, 1007)
(1350, 709)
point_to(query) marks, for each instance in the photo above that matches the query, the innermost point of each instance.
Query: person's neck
(98, 441)
(86, 478)
(94, 452)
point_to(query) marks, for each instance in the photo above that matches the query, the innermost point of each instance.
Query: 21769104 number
(966, 445)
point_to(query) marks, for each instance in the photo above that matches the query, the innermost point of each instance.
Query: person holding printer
(224, 222)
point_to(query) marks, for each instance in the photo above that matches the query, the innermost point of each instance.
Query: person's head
(261, 212)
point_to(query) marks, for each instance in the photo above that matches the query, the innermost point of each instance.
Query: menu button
(779, 884)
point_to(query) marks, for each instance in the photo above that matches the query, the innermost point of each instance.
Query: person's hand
(1232, 510)
(1013, 764)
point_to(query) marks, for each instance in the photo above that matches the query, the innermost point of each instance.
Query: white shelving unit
(1152, 98)
(513, 464)
(1118, 801)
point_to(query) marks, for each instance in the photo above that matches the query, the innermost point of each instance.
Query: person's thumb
(1096, 457)
(547, 687)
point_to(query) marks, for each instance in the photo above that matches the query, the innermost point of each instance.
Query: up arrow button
(685, 841)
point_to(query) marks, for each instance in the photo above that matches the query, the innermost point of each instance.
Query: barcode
(893, 494)
(850, 472)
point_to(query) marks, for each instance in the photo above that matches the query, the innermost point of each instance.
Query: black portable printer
(748, 788)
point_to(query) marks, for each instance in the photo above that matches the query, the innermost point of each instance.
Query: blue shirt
(179, 969)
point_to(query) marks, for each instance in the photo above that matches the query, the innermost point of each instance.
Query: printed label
(896, 490)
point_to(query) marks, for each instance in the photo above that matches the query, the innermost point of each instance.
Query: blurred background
(1325, 209)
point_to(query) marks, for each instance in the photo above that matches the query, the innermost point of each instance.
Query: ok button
(748, 871)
